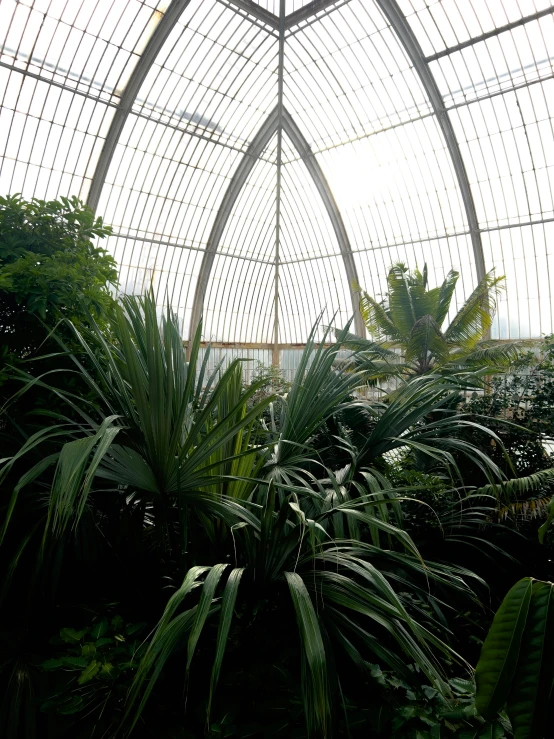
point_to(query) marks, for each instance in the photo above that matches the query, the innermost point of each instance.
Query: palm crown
(411, 319)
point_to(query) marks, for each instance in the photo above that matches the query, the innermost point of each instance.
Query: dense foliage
(49, 269)
(186, 555)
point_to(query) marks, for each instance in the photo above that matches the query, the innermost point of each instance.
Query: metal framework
(490, 34)
(160, 35)
(259, 143)
(301, 146)
(398, 21)
(292, 19)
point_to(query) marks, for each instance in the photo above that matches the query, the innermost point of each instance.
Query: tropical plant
(51, 269)
(407, 330)
(516, 667)
(157, 427)
(90, 671)
(48, 262)
(188, 483)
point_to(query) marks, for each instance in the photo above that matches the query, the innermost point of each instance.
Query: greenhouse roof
(258, 159)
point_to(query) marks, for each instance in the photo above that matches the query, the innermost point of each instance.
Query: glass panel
(169, 270)
(250, 228)
(223, 356)
(165, 184)
(306, 228)
(216, 76)
(526, 257)
(512, 59)
(308, 289)
(90, 47)
(444, 23)
(508, 146)
(396, 186)
(239, 301)
(348, 76)
(64, 66)
(52, 137)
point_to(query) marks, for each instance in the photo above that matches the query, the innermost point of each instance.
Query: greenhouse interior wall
(259, 160)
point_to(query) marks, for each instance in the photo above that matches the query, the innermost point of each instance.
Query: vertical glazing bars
(245, 167)
(312, 165)
(155, 44)
(280, 76)
(415, 53)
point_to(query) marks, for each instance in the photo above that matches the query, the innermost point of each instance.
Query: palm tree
(408, 332)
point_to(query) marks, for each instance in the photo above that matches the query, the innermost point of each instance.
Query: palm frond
(474, 318)
(377, 321)
(446, 293)
(317, 692)
(518, 486)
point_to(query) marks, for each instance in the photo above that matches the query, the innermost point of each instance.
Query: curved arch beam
(246, 165)
(303, 148)
(144, 64)
(402, 28)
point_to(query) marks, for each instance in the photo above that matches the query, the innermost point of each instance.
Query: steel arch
(407, 38)
(154, 46)
(246, 165)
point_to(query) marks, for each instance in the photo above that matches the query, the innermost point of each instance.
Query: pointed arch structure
(425, 130)
(245, 167)
(155, 44)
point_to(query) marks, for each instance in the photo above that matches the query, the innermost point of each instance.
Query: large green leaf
(314, 650)
(499, 655)
(529, 704)
(227, 607)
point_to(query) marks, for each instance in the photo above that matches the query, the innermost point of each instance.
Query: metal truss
(490, 34)
(293, 19)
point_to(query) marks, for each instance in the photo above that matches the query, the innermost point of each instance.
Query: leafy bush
(91, 670)
(49, 269)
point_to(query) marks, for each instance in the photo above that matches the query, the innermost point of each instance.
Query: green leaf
(71, 636)
(312, 643)
(75, 661)
(546, 525)
(89, 672)
(529, 702)
(499, 655)
(117, 623)
(99, 629)
(73, 706)
(227, 608)
(51, 664)
(88, 649)
(107, 669)
(206, 598)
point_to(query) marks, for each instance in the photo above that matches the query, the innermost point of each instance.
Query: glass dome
(258, 159)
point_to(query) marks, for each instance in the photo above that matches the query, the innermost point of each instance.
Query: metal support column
(280, 75)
